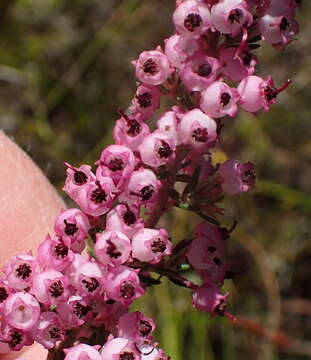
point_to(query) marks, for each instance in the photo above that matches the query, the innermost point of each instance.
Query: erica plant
(73, 296)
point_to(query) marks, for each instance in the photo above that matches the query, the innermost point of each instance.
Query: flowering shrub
(73, 297)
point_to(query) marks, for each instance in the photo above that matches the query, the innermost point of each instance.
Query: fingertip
(28, 202)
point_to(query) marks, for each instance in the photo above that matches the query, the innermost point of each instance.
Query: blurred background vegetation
(65, 69)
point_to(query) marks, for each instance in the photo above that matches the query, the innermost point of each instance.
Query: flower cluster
(74, 295)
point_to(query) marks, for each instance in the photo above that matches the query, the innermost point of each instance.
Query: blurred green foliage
(65, 69)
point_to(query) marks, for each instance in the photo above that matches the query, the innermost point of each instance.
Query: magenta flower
(96, 198)
(136, 327)
(237, 177)
(77, 178)
(277, 24)
(207, 248)
(15, 338)
(237, 66)
(208, 298)
(167, 124)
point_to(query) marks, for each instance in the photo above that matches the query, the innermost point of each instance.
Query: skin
(28, 207)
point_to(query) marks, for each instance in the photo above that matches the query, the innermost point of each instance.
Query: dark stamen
(146, 192)
(112, 250)
(158, 245)
(23, 271)
(204, 70)
(16, 339)
(56, 289)
(129, 217)
(126, 356)
(134, 128)
(144, 328)
(98, 195)
(192, 21)
(144, 100)
(3, 294)
(70, 228)
(247, 58)
(270, 93)
(80, 310)
(235, 15)
(127, 290)
(225, 99)
(220, 308)
(91, 285)
(80, 177)
(164, 150)
(248, 174)
(211, 249)
(116, 164)
(217, 261)
(55, 333)
(150, 67)
(61, 250)
(284, 24)
(200, 134)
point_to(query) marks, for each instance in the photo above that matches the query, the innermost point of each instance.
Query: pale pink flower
(117, 162)
(112, 248)
(72, 227)
(230, 16)
(152, 67)
(219, 100)
(48, 330)
(119, 348)
(51, 287)
(124, 218)
(82, 352)
(19, 271)
(237, 66)
(199, 130)
(199, 71)
(150, 245)
(191, 18)
(157, 149)
(256, 93)
(21, 311)
(122, 284)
